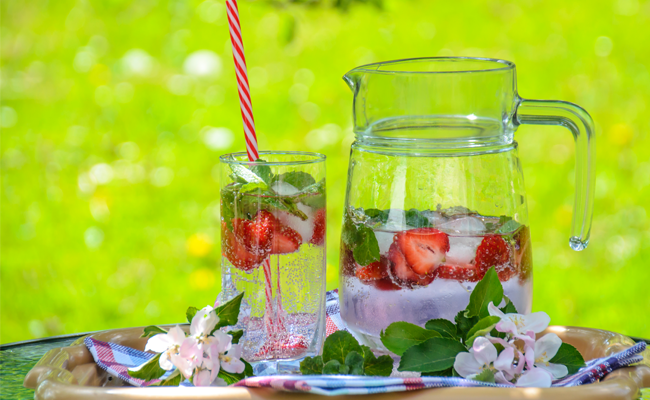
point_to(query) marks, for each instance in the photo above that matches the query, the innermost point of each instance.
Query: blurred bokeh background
(114, 113)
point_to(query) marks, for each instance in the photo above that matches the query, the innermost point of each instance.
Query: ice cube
(284, 188)
(435, 218)
(462, 249)
(385, 239)
(304, 228)
(467, 225)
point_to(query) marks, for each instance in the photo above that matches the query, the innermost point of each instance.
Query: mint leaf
(190, 313)
(485, 376)
(400, 336)
(444, 327)
(312, 366)
(366, 250)
(245, 175)
(509, 308)
(254, 187)
(149, 370)
(437, 354)
(481, 328)
(297, 179)
(416, 219)
(374, 213)
(174, 379)
(314, 195)
(510, 226)
(228, 313)
(464, 324)
(488, 290)
(570, 357)
(152, 331)
(338, 345)
(334, 367)
(373, 366)
(236, 335)
(263, 171)
(354, 361)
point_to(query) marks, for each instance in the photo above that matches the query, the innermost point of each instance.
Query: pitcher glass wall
(435, 194)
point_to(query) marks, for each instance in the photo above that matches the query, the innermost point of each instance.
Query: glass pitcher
(435, 194)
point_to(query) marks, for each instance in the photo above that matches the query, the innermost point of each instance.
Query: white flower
(480, 357)
(168, 344)
(546, 348)
(521, 326)
(535, 377)
(189, 357)
(202, 325)
(230, 362)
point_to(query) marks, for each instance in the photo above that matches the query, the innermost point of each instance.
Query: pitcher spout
(353, 79)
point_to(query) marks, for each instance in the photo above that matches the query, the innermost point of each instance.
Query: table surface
(16, 359)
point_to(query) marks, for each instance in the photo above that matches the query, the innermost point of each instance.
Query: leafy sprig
(343, 355)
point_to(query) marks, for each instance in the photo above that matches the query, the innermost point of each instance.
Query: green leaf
(376, 366)
(400, 336)
(263, 171)
(366, 251)
(334, 367)
(485, 376)
(338, 345)
(190, 313)
(152, 331)
(509, 226)
(314, 195)
(228, 313)
(230, 377)
(464, 324)
(437, 354)
(236, 335)
(416, 219)
(174, 379)
(449, 372)
(481, 328)
(297, 179)
(488, 290)
(354, 361)
(444, 327)
(149, 370)
(312, 366)
(570, 357)
(509, 308)
(245, 175)
(248, 369)
(255, 187)
(374, 213)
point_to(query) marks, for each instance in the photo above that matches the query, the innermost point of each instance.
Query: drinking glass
(273, 225)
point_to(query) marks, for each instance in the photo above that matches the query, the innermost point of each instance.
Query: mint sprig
(343, 355)
(360, 238)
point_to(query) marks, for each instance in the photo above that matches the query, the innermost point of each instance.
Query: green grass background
(108, 154)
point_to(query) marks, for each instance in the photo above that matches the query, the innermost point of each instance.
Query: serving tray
(71, 373)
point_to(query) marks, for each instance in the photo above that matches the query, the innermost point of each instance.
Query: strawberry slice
(423, 248)
(462, 273)
(236, 253)
(493, 252)
(285, 240)
(318, 238)
(385, 284)
(256, 235)
(348, 265)
(374, 271)
(402, 272)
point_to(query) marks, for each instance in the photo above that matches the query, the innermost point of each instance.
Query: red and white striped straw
(251, 138)
(242, 79)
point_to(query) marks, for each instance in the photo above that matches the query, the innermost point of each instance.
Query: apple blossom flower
(535, 377)
(231, 361)
(519, 325)
(168, 344)
(202, 325)
(480, 357)
(545, 349)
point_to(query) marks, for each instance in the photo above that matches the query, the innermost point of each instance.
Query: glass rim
(498, 65)
(314, 158)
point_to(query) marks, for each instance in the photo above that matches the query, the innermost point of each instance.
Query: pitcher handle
(579, 122)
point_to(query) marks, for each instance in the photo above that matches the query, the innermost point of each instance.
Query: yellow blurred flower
(202, 279)
(199, 245)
